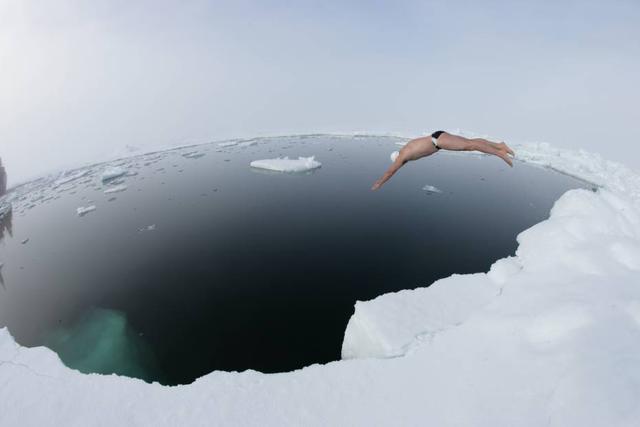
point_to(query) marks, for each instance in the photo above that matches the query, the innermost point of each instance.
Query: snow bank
(388, 325)
(285, 164)
(550, 336)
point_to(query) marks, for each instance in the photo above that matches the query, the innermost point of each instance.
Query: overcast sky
(79, 80)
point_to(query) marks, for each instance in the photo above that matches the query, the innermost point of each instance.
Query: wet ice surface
(204, 263)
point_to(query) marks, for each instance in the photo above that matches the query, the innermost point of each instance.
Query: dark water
(204, 264)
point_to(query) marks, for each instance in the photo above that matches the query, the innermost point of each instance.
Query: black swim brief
(434, 138)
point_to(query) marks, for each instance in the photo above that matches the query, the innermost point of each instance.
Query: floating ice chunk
(228, 144)
(431, 189)
(248, 143)
(285, 164)
(147, 228)
(116, 189)
(193, 155)
(25, 241)
(83, 210)
(112, 172)
(68, 177)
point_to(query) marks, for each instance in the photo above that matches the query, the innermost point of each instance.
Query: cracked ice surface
(550, 336)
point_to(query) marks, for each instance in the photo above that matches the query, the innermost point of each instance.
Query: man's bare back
(426, 146)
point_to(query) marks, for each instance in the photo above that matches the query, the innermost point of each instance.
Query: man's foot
(504, 152)
(504, 147)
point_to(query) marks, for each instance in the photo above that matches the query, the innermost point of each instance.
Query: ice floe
(248, 143)
(430, 189)
(228, 143)
(116, 189)
(285, 164)
(83, 210)
(151, 227)
(193, 155)
(66, 177)
(112, 172)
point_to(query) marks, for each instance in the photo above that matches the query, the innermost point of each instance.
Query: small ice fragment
(116, 189)
(68, 177)
(82, 210)
(147, 228)
(193, 155)
(24, 242)
(431, 189)
(228, 144)
(394, 155)
(301, 164)
(112, 172)
(248, 143)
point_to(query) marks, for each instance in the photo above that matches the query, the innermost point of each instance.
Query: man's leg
(459, 143)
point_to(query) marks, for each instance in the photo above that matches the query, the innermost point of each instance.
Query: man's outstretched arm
(397, 164)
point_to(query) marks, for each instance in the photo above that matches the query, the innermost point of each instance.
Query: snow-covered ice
(83, 210)
(285, 164)
(116, 189)
(112, 172)
(549, 336)
(431, 189)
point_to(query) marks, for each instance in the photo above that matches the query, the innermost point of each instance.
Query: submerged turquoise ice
(103, 342)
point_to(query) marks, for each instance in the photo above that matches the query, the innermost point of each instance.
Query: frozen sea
(170, 265)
